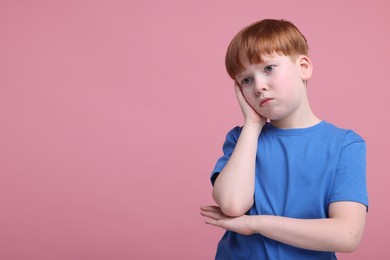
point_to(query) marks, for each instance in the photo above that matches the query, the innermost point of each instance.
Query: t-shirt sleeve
(228, 147)
(350, 177)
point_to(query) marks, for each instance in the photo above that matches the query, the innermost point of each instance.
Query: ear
(305, 66)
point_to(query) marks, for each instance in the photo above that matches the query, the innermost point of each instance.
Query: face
(276, 88)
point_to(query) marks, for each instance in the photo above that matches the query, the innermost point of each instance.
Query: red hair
(264, 37)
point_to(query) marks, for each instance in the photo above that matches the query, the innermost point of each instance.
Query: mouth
(265, 101)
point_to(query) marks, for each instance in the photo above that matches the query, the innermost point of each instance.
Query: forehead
(263, 58)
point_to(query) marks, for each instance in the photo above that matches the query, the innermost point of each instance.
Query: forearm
(234, 188)
(330, 234)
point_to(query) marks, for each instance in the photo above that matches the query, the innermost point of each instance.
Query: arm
(234, 188)
(341, 232)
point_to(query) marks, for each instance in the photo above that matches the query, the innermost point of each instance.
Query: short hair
(264, 37)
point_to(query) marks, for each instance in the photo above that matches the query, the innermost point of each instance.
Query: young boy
(289, 186)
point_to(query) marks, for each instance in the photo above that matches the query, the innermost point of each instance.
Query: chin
(274, 115)
(269, 117)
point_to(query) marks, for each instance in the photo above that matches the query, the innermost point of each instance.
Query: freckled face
(274, 88)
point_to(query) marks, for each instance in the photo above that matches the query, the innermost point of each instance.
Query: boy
(293, 187)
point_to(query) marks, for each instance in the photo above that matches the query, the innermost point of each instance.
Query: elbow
(234, 207)
(349, 244)
(348, 248)
(233, 211)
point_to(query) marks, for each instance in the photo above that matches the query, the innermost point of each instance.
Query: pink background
(113, 113)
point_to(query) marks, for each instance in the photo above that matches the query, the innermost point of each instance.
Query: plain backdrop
(113, 113)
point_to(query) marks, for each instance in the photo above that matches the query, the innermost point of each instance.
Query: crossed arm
(233, 192)
(341, 232)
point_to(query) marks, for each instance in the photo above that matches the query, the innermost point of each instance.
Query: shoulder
(347, 136)
(234, 133)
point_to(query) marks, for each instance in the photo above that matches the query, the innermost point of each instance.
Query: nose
(260, 87)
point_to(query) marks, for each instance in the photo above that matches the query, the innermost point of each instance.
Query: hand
(214, 216)
(250, 115)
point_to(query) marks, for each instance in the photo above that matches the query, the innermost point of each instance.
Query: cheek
(249, 98)
(287, 88)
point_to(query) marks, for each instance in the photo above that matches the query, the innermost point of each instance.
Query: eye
(246, 81)
(269, 69)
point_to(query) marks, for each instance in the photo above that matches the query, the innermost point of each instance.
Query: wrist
(253, 126)
(251, 222)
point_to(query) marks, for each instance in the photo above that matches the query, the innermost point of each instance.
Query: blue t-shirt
(299, 172)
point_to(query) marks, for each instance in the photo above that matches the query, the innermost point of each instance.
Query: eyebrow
(242, 75)
(266, 62)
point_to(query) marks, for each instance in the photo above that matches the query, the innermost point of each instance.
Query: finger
(213, 215)
(213, 222)
(211, 208)
(236, 83)
(241, 100)
(238, 91)
(240, 97)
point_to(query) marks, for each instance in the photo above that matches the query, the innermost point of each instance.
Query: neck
(302, 122)
(301, 118)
